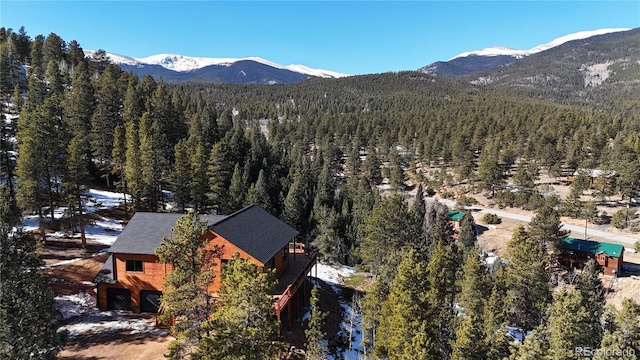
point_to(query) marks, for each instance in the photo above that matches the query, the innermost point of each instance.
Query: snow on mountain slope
(181, 63)
(499, 50)
(493, 51)
(314, 72)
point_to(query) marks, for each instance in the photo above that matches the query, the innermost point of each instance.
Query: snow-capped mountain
(191, 68)
(486, 58)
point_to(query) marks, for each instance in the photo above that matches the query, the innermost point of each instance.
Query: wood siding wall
(150, 278)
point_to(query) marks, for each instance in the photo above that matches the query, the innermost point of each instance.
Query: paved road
(591, 232)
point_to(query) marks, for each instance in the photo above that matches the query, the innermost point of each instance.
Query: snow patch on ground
(104, 231)
(490, 258)
(334, 276)
(63, 262)
(71, 306)
(108, 322)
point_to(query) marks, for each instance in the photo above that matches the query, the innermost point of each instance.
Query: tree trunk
(80, 219)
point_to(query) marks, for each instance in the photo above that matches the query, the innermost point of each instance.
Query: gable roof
(255, 231)
(455, 215)
(145, 231)
(252, 229)
(592, 247)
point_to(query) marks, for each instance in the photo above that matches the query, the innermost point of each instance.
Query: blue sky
(354, 37)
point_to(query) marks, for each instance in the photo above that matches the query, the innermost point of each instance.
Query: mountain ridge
(496, 56)
(185, 64)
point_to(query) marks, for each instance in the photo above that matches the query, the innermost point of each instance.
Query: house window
(134, 265)
(285, 252)
(602, 258)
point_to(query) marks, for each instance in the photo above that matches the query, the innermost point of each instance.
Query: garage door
(118, 299)
(150, 301)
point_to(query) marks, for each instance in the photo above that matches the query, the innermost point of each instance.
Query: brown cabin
(593, 177)
(455, 218)
(132, 278)
(577, 252)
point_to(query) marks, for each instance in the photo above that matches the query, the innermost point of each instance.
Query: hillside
(597, 71)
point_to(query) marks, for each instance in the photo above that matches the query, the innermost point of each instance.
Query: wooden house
(132, 278)
(455, 218)
(577, 252)
(593, 178)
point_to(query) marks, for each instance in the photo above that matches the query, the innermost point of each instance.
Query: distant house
(577, 252)
(455, 218)
(593, 177)
(132, 278)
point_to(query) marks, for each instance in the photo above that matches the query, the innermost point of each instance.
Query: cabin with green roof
(577, 252)
(456, 217)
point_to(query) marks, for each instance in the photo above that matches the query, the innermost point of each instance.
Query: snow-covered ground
(104, 231)
(108, 322)
(335, 276)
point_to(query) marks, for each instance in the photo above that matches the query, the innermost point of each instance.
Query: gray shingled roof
(145, 231)
(252, 229)
(105, 275)
(255, 231)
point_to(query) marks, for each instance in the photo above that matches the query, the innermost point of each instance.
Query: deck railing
(292, 288)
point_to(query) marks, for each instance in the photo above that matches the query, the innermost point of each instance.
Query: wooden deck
(292, 286)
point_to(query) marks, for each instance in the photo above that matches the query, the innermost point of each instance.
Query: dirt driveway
(95, 334)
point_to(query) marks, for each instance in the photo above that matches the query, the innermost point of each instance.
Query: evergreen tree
(474, 284)
(316, 349)
(440, 229)
(199, 184)
(186, 297)
(467, 236)
(259, 196)
(36, 55)
(470, 341)
(566, 328)
(527, 281)
(418, 212)
(120, 160)
(152, 162)
(27, 307)
(16, 100)
(9, 211)
(329, 243)
(296, 203)
(371, 312)
(242, 327)
(133, 164)
(623, 336)
(592, 295)
(220, 171)
(181, 175)
(404, 311)
(79, 108)
(7, 166)
(107, 115)
(497, 338)
(236, 189)
(371, 167)
(546, 229)
(75, 177)
(75, 54)
(387, 230)
(444, 264)
(534, 347)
